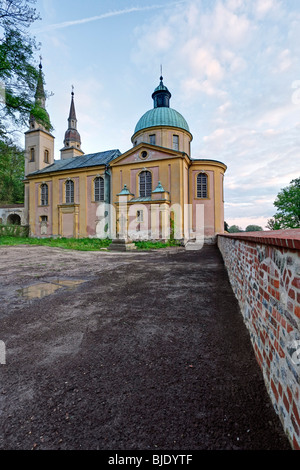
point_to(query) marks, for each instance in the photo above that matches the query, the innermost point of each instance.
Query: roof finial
(161, 77)
(41, 58)
(72, 93)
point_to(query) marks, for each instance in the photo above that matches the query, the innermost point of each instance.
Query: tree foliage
(234, 229)
(288, 207)
(254, 228)
(11, 173)
(18, 74)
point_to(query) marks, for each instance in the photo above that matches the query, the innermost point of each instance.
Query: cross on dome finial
(72, 90)
(41, 58)
(161, 77)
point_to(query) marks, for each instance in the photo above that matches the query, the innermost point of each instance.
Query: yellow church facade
(153, 191)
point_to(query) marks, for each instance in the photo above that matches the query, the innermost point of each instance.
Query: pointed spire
(72, 136)
(40, 101)
(72, 114)
(40, 95)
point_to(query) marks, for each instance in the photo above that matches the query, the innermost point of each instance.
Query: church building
(153, 191)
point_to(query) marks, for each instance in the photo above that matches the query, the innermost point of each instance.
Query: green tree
(234, 229)
(273, 224)
(254, 228)
(288, 208)
(11, 173)
(18, 74)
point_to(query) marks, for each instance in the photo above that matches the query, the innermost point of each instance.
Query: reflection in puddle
(67, 282)
(38, 291)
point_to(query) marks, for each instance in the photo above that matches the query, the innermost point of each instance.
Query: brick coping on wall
(289, 238)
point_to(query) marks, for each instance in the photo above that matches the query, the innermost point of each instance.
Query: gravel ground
(149, 352)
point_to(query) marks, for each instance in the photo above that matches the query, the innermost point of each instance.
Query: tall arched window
(69, 191)
(44, 194)
(99, 188)
(202, 185)
(46, 156)
(145, 179)
(32, 155)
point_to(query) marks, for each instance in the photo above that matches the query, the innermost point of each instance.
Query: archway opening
(14, 219)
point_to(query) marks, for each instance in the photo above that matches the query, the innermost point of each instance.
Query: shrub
(14, 231)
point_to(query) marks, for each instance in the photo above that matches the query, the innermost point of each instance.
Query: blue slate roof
(84, 161)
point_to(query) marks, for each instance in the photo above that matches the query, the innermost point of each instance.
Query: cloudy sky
(232, 66)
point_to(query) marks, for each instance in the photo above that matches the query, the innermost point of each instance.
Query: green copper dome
(162, 117)
(161, 114)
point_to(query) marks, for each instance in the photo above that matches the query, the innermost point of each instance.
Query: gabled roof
(83, 161)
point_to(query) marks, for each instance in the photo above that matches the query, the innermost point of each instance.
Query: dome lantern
(161, 96)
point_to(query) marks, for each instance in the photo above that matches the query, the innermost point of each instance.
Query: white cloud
(284, 60)
(264, 7)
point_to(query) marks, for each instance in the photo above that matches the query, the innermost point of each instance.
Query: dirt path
(149, 353)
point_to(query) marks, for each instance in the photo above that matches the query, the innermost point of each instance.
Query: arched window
(145, 184)
(99, 188)
(202, 185)
(32, 156)
(46, 156)
(69, 191)
(44, 194)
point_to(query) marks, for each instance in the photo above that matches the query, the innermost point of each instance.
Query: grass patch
(80, 244)
(148, 245)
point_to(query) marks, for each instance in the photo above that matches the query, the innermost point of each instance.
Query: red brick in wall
(264, 271)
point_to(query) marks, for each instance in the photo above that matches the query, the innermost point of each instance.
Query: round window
(144, 154)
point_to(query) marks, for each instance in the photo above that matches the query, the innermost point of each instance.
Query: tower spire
(72, 115)
(40, 95)
(40, 100)
(72, 141)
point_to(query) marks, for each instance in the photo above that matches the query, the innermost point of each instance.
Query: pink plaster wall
(43, 210)
(91, 208)
(209, 204)
(152, 155)
(68, 225)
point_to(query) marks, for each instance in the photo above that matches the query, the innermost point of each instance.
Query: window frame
(152, 139)
(175, 145)
(101, 189)
(202, 186)
(69, 192)
(44, 195)
(140, 216)
(32, 154)
(147, 190)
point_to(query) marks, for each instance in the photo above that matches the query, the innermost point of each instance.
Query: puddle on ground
(38, 291)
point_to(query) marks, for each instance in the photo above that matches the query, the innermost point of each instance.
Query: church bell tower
(39, 142)
(72, 141)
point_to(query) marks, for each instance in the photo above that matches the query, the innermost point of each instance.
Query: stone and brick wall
(264, 271)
